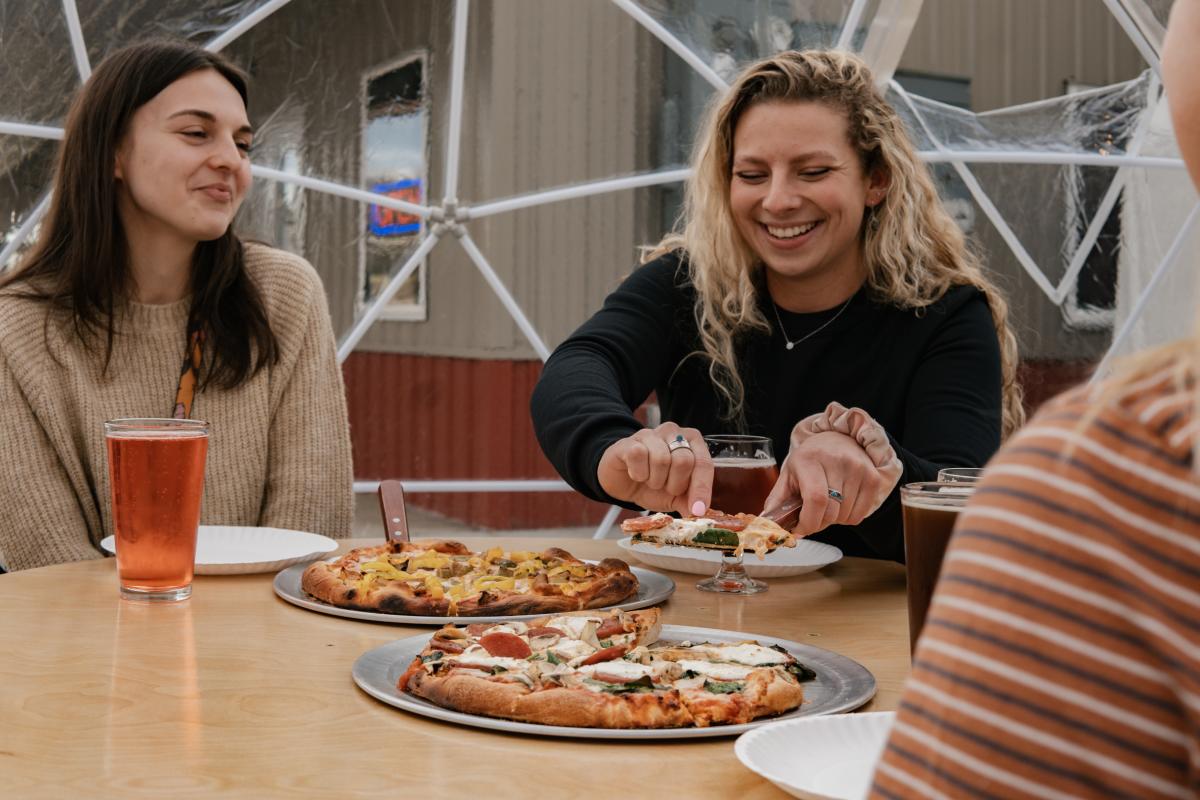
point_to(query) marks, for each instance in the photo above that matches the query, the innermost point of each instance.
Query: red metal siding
(1044, 378)
(437, 418)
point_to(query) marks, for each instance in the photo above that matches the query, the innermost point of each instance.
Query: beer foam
(953, 502)
(159, 435)
(742, 463)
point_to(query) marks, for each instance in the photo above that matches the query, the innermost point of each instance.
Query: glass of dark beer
(931, 510)
(744, 472)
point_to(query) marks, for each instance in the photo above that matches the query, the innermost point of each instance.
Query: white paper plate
(818, 758)
(234, 550)
(806, 556)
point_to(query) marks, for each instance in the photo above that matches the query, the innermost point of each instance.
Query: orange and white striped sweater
(1061, 656)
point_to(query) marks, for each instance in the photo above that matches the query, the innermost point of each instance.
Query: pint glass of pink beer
(156, 471)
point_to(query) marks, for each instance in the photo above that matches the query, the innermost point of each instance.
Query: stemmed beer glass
(744, 472)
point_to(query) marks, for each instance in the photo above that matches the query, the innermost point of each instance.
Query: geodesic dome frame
(1103, 127)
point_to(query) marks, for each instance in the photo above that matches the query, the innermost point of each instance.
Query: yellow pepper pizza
(444, 578)
(602, 670)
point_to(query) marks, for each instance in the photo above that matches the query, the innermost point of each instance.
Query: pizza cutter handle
(391, 506)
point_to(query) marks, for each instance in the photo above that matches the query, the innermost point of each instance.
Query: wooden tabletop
(238, 693)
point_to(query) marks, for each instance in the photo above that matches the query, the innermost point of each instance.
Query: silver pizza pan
(653, 588)
(841, 685)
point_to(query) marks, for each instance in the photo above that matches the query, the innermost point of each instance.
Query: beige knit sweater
(279, 446)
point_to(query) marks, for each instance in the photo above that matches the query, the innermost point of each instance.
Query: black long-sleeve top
(930, 377)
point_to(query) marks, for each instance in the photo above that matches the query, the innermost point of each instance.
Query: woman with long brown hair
(137, 271)
(817, 294)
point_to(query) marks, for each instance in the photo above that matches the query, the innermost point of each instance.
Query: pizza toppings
(605, 654)
(543, 631)
(717, 536)
(644, 682)
(501, 643)
(646, 523)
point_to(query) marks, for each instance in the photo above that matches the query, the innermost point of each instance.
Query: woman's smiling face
(183, 167)
(798, 193)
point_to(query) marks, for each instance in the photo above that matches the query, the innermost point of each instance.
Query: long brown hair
(913, 250)
(80, 262)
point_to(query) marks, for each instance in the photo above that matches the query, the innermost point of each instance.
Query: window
(395, 136)
(1091, 303)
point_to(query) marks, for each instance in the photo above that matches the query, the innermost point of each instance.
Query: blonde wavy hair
(913, 250)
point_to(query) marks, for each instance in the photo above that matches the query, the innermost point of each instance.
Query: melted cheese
(625, 670)
(572, 626)
(484, 660)
(748, 653)
(682, 530)
(570, 649)
(720, 672)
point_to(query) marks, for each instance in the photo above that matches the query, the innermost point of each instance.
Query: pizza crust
(578, 708)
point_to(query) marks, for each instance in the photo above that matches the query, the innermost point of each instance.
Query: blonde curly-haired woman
(817, 294)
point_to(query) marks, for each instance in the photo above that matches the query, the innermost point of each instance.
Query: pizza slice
(731, 533)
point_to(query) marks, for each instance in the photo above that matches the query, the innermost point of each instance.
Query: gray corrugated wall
(564, 92)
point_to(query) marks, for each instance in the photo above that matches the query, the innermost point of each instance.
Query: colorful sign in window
(384, 221)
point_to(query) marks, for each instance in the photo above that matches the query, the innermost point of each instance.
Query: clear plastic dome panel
(36, 61)
(356, 116)
(26, 166)
(1097, 122)
(728, 34)
(111, 24)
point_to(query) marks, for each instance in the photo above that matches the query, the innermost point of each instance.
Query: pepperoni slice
(446, 645)
(607, 654)
(533, 633)
(600, 675)
(641, 524)
(727, 522)
(476, 628)
(610, 627)
(505, 644)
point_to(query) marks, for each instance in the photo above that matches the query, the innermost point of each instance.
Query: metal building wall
(1017, 51)
(1013, 52)
(558, 94)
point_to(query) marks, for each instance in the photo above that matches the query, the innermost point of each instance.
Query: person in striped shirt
(1061, 656)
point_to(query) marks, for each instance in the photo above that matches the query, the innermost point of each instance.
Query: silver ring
(834, 494)
(679, 443)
